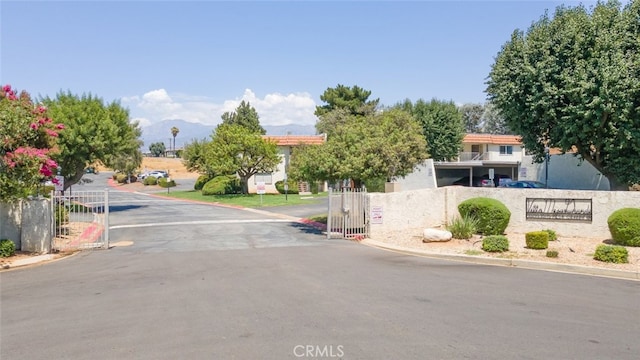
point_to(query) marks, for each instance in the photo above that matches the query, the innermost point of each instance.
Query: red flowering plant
(27, 142)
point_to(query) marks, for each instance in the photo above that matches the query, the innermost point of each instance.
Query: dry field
(173, 165)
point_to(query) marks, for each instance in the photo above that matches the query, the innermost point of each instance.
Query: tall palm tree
(174, 132)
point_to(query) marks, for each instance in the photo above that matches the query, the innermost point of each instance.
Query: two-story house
(480, 154)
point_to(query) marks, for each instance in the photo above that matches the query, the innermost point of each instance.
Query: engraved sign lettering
(559, 209)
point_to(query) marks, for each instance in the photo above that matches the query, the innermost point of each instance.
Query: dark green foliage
(162, 182)
(624, 225)
(245, 116)
(157, 149)
(492, 215)
(375, 184)
(552, 234)
(150, 180)
(7, 248)
(552, 253)
(202, 179)
(293, 187)
(495, 243)
(537, 239)
(462, 227)
(611, 253)
(220, 185)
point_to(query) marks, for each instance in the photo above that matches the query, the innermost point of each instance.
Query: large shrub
(150, 180)
(7, 248)
(122, 178)
(163, 182)
(537, 239)
(220, 185)
(492, 215)
(293, 187)
(495, 243)
(624, 225)
(611, 253)
(202, 179)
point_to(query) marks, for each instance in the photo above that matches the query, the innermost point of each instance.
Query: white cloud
(273, 109)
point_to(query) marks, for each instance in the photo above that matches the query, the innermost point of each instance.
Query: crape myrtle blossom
(27, 142)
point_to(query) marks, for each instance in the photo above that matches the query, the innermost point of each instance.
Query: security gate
(80, 220)
(348, 215)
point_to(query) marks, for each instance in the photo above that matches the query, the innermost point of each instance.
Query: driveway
(204, 282)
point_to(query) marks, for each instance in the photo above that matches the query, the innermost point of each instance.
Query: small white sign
(261, 188)
(376, 214)
(491, 174)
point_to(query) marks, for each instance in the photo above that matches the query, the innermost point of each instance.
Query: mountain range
(188, 131)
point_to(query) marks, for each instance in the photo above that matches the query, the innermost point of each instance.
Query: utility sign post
(261, 189)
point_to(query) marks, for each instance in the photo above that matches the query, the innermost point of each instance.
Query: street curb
(37, 260)
(524, 264)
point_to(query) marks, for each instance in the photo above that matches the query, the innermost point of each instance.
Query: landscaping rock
(435, 235)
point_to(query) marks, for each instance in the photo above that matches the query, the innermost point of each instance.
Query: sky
(195, 60)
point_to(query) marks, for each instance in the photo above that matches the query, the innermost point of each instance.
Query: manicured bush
(122, 178)
(202, 179)
(162, 182)
(150, 180)
(624, 226)
(462, 227)
(553, 236)
(492, 215)
(611, 253)
(7, 248)
(293, 187)
(495, 243)
(220, 185)
(537, 239)
(552, 253)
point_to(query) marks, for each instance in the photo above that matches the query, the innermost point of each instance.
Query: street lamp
(546, 167)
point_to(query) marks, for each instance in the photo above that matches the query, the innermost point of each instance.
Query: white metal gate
(348, 215)
(80, 220)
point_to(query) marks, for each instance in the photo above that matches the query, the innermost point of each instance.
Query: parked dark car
(499, 179)
(525, 184)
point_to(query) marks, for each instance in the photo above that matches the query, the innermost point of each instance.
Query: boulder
(434, 235)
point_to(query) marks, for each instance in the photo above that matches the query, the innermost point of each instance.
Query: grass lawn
(251, 200)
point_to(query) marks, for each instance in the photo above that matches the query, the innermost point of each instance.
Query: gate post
(329, 215)
(106, 219)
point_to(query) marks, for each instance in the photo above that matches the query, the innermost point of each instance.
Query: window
(506, 149)
(263, 177)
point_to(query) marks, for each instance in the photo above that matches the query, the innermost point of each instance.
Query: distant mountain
(161, 132)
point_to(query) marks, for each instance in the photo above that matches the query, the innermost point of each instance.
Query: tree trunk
(245, 185)
(615, 185)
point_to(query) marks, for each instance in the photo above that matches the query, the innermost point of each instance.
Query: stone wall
(433, 207)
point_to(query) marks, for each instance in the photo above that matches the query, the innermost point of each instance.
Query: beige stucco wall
(432, 207)
(11, 222)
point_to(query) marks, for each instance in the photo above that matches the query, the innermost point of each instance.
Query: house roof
(293, 140)
(492, 139)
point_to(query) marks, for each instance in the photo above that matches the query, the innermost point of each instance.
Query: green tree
(494, 122)
(157, 149)
(245, 115)
(472, 117)
(572, 82)
(194, 157)
(127, 163)
(94, 132)
(385, 145)
(174, 132)
(353, 99)
(235, 149)
(442, 126)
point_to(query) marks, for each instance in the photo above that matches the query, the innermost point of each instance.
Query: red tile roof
(492, 139)
(293, 140)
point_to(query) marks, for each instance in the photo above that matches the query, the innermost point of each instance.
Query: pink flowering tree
(27, 144)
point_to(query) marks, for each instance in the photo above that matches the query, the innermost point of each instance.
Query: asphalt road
(202, 282)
